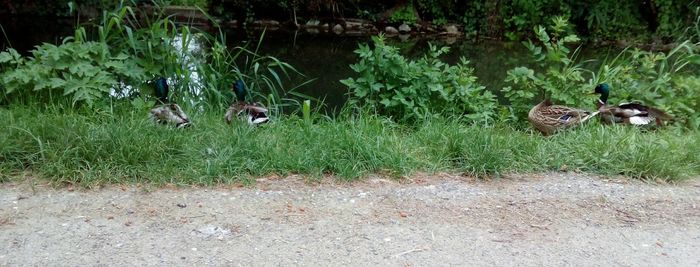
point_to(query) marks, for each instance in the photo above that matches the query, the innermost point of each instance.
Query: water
(325, 58)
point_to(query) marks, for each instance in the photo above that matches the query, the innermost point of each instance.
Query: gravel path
(443, 220)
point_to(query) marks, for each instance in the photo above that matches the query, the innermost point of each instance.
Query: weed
(409, 90)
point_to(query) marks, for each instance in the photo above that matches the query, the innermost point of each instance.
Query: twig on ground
(410, 251)
(541, 226)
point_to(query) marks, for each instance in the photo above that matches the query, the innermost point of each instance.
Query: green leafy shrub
(664, 80)
(673, 16)
(521, 15)
(84, 72)
(124, 54)
(410, 90)
(560, 78)
(130, 49)
(615, 20)
(405, 14)
(438, 11)
(475, 17)
(198, 3)
(658, 79)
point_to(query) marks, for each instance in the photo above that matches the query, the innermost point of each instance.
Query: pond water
(328, 57)
(323, 57)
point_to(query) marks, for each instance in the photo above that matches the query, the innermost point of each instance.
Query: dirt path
(560, 219)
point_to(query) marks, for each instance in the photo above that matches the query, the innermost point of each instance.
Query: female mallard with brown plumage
(548, 118)
(251, 113)
(627, 113)
(164, 111)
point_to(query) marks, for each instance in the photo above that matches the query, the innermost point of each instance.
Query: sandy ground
(553, 220)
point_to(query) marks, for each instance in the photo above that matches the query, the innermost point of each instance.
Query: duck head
(162, 90)
(604, 90)
(239, 90)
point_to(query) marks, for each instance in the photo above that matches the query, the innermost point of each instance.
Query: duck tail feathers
(589, 116)
(657, 113)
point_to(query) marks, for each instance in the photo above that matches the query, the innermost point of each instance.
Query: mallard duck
(164, 111)
(627, 113)
(252, 113)
(548, 118)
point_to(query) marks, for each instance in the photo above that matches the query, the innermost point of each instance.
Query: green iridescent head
(162, 90)
(604, 90)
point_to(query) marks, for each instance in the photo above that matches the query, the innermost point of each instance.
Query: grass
(96, 149)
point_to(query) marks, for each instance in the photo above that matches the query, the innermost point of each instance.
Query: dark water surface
(325, 57)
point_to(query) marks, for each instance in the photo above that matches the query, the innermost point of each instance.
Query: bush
(658, 79)
(560, 80)
(409, 90)
(129, 50)
(662, 80)
(84, 72)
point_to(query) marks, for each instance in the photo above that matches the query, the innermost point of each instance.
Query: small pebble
(181, 205)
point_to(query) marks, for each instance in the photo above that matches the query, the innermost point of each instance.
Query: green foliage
(615, 20)
(117, 63)
(84, 72)
(692, 32)
(438, 11)
(405, 14)
(475, 17)
(522, 15)
(263, 75)
(664, 80)
(198, 3)
(560, 80)
(409, 90)
(671, 18)
(130, 50)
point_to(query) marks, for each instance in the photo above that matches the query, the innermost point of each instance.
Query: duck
(165, 111)
(627, 113)
(548, 118)
(251, 113)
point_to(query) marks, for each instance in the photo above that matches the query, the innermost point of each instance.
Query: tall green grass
(97, 149)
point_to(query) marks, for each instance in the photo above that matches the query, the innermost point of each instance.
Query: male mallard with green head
(166, 112)
(548, 118)
(627, 113)
(252, 113)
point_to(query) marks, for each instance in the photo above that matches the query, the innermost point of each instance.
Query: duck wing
(170, 114)
(639, 114)
(548, 118)
(252, 113)
(564, 113)
(653, 112)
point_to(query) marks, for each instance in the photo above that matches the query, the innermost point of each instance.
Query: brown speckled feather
(632, 113)
(548, 118)
(253, 113)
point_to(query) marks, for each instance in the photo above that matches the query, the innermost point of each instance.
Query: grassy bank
(97, 149)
